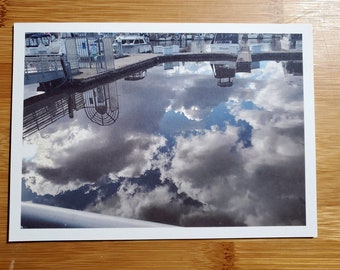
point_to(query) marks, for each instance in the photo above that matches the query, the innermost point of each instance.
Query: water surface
(182, 150)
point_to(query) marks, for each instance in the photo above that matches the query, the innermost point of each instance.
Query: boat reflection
(136, 76)
(224, 72)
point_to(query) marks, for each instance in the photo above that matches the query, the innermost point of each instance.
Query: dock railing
(43, 68)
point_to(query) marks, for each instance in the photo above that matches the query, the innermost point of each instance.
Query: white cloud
(131, 199)
(140, 158)
(203, 163)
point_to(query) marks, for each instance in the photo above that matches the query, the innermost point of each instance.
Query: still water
(171, 145)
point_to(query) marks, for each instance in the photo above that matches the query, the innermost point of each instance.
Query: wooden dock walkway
(132, 64)
(119, 63)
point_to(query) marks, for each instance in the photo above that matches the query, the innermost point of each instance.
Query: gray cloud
(87, 162)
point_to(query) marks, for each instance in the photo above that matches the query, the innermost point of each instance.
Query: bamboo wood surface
(320, 253)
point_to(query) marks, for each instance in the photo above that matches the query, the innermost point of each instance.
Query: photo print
(156, 131)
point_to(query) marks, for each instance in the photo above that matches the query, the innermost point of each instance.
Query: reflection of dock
(100, 104)
(243, 61)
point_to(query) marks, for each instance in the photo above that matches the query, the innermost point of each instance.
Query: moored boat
(131, 44)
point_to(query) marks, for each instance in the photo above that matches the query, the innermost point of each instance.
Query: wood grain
(320, 253)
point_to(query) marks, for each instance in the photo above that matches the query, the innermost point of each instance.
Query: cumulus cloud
(161, 204)
(88, 160)
(198, 99)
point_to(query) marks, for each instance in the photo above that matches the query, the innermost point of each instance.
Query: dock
(137, 62)
(135, 59)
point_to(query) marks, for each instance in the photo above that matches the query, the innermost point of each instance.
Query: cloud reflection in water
(183, 151)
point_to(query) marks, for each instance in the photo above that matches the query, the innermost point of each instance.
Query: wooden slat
(320, 253)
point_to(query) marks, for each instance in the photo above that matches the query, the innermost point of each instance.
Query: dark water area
(172, 144)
